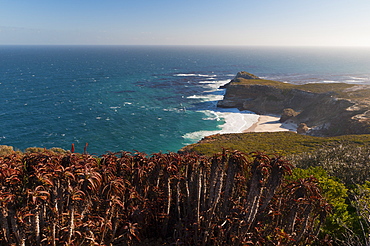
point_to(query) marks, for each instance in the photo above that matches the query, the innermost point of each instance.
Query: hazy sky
(186, 22)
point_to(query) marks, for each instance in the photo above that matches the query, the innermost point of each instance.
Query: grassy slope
(283, 143)
(341, 90)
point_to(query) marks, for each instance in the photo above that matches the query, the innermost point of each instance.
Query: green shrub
(345, 160)
(335, 193)
(349, 163)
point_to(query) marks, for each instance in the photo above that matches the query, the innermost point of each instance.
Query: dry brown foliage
(50, 198)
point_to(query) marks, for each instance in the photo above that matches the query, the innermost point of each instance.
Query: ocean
(145, 98)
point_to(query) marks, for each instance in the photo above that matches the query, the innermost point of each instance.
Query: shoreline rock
(288, 114)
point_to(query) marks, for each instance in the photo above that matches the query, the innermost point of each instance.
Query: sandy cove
(270, 123)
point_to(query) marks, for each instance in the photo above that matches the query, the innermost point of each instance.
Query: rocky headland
(319, 109)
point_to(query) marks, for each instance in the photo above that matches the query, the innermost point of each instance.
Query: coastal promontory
(325, 109)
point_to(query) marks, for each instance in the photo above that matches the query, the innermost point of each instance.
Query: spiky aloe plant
(126, 198)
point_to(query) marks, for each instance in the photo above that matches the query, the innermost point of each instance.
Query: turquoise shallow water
(142, 98)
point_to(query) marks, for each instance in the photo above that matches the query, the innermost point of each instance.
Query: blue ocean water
(146, 98)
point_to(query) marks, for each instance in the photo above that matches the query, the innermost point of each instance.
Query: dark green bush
(347, 161)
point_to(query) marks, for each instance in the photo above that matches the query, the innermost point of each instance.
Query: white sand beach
(241, 121)
(269, 123)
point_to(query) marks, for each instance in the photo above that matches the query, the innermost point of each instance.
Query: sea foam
(194, 75)
(234, 120)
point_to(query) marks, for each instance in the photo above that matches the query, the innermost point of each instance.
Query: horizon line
(201, 45)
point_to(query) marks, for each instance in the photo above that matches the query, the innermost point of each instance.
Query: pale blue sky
(186, 22)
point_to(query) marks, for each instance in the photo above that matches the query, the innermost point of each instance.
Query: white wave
(207, 75)
(207, 97)
(351, 81)
(211, 115)
(194, 75)
(181, 109)
(356, 80)
(214, 93)
(329, 81)
(213, 85)
(196, 97)
(235, 122)
(193, 137)
(324, 81)
(185, 75)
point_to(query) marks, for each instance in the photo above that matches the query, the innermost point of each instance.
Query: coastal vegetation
(283, 143)
(347, 163)
(231, 198)
(340, 164)
(319, 193)
(342, 90)
(207, 194)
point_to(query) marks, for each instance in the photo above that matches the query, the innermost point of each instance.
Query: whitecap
(356, 80)
(210, 115)
(193, 137)
(213, 85)
(194, 75)
(351, 81)
(324, 81)
(330, 81)
(196, 97)
(185, 75)
(207, 97)
(213, 94)
(169, 109)
(235, 121)
(207, 75)
(174, 109)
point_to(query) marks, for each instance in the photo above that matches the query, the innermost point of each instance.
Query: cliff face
(328, 109)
